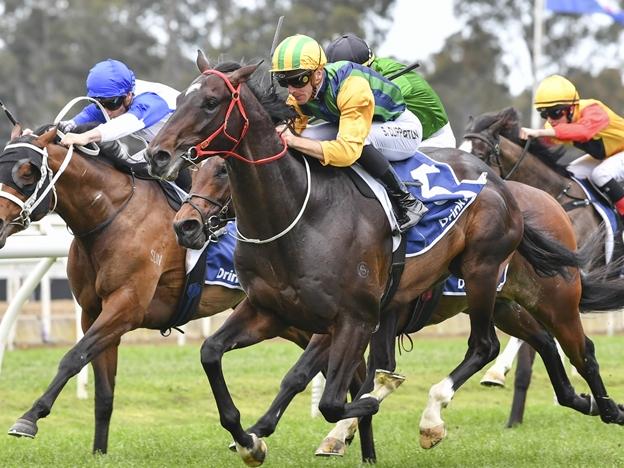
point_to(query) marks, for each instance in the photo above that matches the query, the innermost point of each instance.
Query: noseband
(199, 151)
(214, 223)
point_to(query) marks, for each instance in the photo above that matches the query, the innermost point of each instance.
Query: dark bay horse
(493, 137)
(125, 267)
(316, 255)
(209, 205)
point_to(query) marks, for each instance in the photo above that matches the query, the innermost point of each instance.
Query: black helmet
(349, 47)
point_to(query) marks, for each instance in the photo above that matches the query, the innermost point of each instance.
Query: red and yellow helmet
(555, 90)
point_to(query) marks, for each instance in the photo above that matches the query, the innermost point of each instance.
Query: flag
(581, 7)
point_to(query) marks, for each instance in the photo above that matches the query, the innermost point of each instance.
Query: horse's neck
(88, 192)
(266, 197)
(531, 170)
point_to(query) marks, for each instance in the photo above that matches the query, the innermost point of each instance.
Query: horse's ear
(243, 74)
(16, 131)
(47, 138)
(470, 124)
(202, 61)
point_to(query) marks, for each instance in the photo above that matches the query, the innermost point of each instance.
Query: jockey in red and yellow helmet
(589, 125)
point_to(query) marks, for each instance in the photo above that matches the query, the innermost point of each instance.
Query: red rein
(200, 149)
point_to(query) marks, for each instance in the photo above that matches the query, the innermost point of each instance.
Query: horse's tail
(547, 256)
(603, 287)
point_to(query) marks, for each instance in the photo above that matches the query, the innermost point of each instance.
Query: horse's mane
(272, 100)
(510, 129)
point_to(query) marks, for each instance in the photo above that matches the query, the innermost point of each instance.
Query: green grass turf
(165, 413)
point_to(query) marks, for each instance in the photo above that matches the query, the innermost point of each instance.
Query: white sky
(419, 29)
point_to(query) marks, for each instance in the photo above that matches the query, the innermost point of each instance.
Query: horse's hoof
(232, 447)
(256, 454)
(493, 378)
(432, 436)
(331, 447)
(23, 428)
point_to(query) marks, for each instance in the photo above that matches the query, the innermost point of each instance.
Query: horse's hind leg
(483, 347)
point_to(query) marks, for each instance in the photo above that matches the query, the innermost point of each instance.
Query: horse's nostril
(2, 224)
(161, 157)
(190, 226)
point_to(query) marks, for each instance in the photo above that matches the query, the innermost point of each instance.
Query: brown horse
(125, 268)
(493, 137)
(316, 255)
(209, 206)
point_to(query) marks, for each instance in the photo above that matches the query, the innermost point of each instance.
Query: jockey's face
(121, 109)
(304, 94)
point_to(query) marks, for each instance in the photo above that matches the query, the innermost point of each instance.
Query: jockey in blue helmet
(135, 107)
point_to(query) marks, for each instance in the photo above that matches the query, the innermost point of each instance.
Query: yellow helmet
(555, 90)
(298, 52)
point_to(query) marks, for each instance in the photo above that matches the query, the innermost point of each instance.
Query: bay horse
(125, 267)
(316, 255)
(493, 137)
(519, 310)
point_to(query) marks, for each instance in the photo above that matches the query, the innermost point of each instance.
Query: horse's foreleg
(377, 384)
(244, 327)
(312, 361)
(347, 348)
(104, 371)
(106, 330)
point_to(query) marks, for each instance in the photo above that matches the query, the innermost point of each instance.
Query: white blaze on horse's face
(193, 87)
(466, 146)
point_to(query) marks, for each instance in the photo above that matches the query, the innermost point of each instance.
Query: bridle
(214, 223)
(493, 157)
(40, 193)
(199, 151)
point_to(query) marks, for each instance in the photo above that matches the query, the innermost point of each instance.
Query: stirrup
(411, 215)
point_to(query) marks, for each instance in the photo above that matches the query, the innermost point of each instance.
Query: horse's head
(207, 208)
(483, 134)
(209, 119)
(24, 178)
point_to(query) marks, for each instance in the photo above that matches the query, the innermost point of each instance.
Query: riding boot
(409, 209)
(614, 190)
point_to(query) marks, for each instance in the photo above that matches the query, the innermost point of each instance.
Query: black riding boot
(614, 190)
(409, 208)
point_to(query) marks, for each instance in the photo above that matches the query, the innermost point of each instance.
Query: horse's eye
(210, 103)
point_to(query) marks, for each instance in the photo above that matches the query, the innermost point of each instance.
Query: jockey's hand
(27, 131)
(285, 132)
(80, 139)
(526, 133)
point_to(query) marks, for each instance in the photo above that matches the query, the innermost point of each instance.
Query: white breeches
(396, 140)
(443, 138)
(599, 172)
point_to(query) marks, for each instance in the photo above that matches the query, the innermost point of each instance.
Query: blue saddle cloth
(455, 286)
(447, 198)
(220, 260)
(599, 204)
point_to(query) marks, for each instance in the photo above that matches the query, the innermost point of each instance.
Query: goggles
(555, 113)
(111, 103)
(296, 81)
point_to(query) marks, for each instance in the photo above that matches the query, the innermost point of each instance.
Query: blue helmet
(110, 78)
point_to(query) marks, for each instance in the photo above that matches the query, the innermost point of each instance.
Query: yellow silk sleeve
(356, 104)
